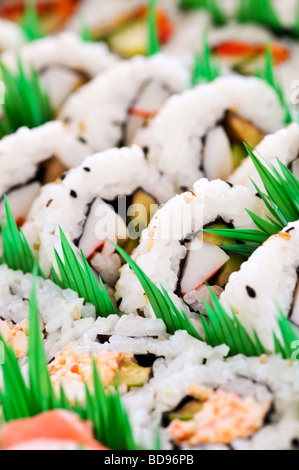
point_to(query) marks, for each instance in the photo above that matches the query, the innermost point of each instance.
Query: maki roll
(11, 35)
(64, 62)
(242, 49)
(212, 122)
(283, 145)
(123, 25)
(205, 402)
(64, 317)
(110, 196)
(266, 284)
(31, 158)
(127, 95)
(174, 252)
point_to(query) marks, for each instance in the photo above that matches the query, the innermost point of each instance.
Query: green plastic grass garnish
(81, 279)
(31, 22)
(221, 328)
(205, 67)
(16, 251)
(26, 104)
(161, 303)
(103, 408)
(282, 200)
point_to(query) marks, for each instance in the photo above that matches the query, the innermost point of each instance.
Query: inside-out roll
(127, 95)
(211, 123)
(110, 196)
(174, 253)
(64, 63)
(33, 157)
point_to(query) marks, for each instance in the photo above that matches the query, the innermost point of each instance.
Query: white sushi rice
(23, 151)
(116, 92)
(161, 251)
(58, 308)
(283, 145)
(98, 14)
(21, 155)
(272, 274)
(172, 377)
(287, 72)
(117, 172)
(183, 360)
(63, 61)
(11, 35)
(179, 154)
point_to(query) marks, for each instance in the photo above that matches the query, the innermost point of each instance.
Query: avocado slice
(240, 130)
(129, 40)
(232, 266)
(134, 375)
(187, 412)
(239, 155)
(146, 201)
(217, 240)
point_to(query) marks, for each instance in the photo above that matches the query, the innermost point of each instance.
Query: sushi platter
(149, 226)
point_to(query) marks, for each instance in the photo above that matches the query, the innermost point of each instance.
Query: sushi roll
(123, 24)
(64, 63)
(283, 145)
(110, 196)
(173, 252)
(212, 121)
(72, 368)
(205, 402)
(257, 295)
(188, 37)
(242, 48)
(11, 36)
(64, 317)
(31, 158)
(127, 95)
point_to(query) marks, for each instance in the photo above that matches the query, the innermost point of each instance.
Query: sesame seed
(81, 139)
(251, 292)
(263, 359)
(73, 194)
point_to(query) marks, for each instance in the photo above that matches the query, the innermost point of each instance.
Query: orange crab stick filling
(233, 49)
(58, 425)
(224, 417)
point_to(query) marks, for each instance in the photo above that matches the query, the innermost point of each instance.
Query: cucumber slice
(133, 375)
(187, 412)
(130, 40)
